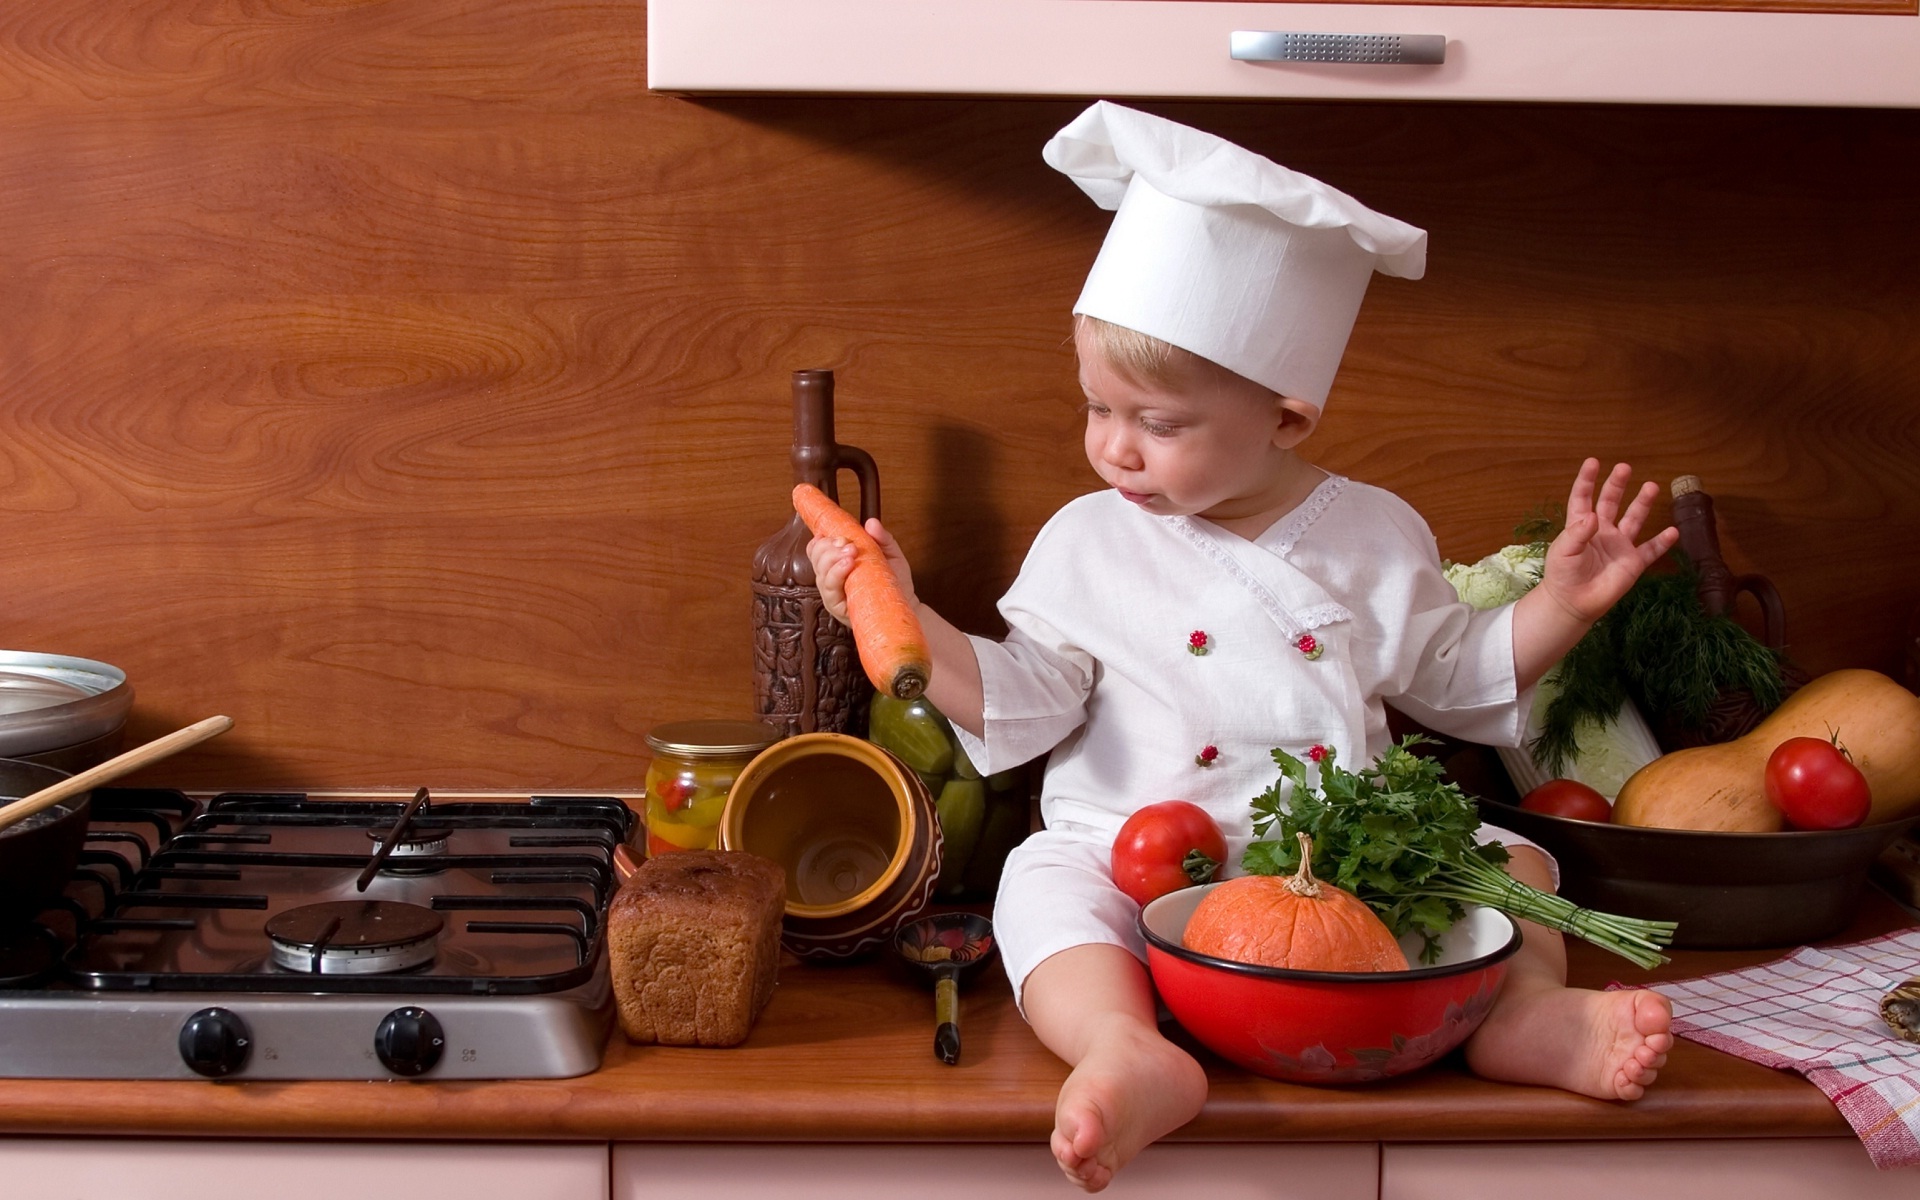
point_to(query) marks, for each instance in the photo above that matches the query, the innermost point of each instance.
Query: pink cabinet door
(987, 1172)
(1776, 1169)
(94, 1168)
(1132, 48)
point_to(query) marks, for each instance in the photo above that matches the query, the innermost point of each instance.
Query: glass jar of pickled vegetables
(693, 767)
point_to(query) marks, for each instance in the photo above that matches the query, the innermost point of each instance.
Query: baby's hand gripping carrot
(893, 647)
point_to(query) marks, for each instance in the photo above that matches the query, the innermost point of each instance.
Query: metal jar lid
(711, 739)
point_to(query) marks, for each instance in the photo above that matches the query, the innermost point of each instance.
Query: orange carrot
(893, 647)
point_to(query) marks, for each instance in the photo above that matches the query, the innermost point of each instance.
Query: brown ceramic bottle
(1718, 585)
(1735, 713)
(806, 670)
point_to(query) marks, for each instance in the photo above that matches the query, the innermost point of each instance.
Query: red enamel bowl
(1329, 1026)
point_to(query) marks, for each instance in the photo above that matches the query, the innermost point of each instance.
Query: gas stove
(279, 936)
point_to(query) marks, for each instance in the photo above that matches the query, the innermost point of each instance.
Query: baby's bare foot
(1605, 1044)
(1122, 1097)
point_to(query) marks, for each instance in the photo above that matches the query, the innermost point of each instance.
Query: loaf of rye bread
(693, 940)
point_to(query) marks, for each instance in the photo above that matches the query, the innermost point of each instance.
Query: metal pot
(53, 702)
(37, 857)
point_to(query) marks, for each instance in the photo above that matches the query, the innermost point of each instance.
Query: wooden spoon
(114, 768)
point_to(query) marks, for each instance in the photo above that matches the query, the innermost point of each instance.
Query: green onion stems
(1474, 880)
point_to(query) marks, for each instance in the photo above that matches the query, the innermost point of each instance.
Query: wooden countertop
(845, 1054)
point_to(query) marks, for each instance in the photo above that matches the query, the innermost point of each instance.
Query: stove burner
(412, 843)
(423, 845)
(354, 937)
(396, 837)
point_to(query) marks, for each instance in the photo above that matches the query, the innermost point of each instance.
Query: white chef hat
(1225, 253)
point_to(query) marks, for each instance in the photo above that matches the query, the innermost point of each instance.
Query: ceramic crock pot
(855, 830)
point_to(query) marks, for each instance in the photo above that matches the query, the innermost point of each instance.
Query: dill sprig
(1541, 524)
(1660, 649)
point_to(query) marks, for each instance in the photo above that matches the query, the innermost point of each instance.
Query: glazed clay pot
(855, 831)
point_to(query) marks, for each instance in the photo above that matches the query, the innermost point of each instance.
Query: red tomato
(1568, 798)
(1815, 785)
(1165, 847)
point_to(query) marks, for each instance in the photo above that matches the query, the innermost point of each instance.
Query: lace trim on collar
(1291, 624)
(1322, 614)
(1282, 540)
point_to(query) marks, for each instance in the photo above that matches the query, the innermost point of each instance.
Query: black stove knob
(409, 1041)
(215, 1042)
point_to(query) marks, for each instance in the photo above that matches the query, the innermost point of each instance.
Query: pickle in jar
(963, 767)
(687, 812)
(962, 809)
(664, 836)
(693, 768)
(1004, 828)
(913, 731)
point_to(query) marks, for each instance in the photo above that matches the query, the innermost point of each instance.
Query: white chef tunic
(1308, 631)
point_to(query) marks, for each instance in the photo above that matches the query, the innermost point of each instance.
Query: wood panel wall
(406, 381)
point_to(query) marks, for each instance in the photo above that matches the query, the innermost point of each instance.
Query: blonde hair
(1149, 360)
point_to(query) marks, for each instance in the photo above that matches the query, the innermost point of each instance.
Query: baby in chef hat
(1223, 596)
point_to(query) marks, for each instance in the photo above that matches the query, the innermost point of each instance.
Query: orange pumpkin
(1296, 922)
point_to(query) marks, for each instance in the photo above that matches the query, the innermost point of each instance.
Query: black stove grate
(126, 827)
(180, 891)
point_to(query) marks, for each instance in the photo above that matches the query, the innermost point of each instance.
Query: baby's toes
(1093, 1177)
(1652, 1015)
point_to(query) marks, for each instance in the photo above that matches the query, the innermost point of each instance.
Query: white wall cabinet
(1180, 48)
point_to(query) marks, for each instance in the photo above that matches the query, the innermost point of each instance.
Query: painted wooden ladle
(113, 768)
(943, 948)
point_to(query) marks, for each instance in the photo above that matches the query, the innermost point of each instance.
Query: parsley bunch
(1402, 839)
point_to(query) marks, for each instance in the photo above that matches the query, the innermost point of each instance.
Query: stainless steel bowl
(52, 701)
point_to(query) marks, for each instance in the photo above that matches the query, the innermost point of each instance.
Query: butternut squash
(1722, 787)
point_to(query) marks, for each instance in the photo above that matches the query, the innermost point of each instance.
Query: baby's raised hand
(832, 558)
(1595, 559)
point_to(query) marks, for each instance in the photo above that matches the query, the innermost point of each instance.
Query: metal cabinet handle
(1384, 48)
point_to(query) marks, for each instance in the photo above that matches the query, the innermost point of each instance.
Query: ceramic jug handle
(1773, 612)
(852, 458)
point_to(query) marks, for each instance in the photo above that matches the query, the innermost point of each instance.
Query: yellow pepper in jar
(693, 769)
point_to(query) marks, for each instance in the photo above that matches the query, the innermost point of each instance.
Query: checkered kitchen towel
(1818, 1012)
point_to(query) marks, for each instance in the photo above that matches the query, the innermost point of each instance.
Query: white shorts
(1057, 892)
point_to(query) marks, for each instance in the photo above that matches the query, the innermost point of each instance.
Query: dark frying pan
(38, 855)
